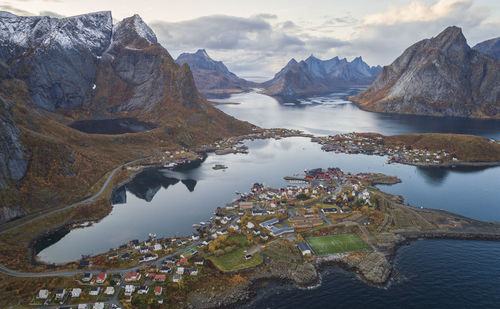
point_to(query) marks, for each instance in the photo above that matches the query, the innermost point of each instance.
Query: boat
(196, 225)
(170, 165)
(219, 167)
(152, 235)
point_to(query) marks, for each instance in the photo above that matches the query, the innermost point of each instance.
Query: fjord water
(433, 273)
(167, 203)
(333, 114)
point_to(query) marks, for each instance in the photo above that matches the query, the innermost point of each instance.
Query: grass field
(337, 244)
(235, 260)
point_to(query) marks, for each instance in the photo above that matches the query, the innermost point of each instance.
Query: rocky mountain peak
(440, 76)
(132, 32)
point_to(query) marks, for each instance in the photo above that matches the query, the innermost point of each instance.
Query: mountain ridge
(441, 76)
(314, 76)
(212, 77)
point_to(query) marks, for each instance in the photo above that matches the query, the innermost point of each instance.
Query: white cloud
(419, 11)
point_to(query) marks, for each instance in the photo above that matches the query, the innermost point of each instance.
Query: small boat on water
(170, 165)
(152, 235)
(196, 225)
(219, 167)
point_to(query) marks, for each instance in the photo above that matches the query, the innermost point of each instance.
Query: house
(199, 262)
(267, 224)
(250, 225)
(85, 263)
(94, 291)
(110, 290)
(117, 278)
(176, 278)
(160, 278)
(304, 248)
(60, 293)
(98, 306)
(195, 237)
(165, 270)
(83, 306)
(133, 276)
(43, 294)
(193, 271)
(264, 236)
(157, 247)
(86, 277)
(144, 250)
(143, 290)
(180, 270)
(101, 277)
(256, 232)
(113, 256)
(125, 256)
(246, 205)
(158, 290)
(129, 289)
(76, 292)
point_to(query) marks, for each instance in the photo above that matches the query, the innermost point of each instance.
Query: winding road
(87, 201)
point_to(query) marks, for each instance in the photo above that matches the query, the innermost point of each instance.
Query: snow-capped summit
(85, 32)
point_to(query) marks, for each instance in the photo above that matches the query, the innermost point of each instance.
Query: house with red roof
(101, 278)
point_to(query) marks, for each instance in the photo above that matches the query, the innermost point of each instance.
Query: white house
(250, 225)
(157, 247)
(109, 290)
(76, 292)
(43, 294)
(60, 293)
(129, 289)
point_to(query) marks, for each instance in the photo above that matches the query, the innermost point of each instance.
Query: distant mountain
(213, 78)
(315, 76)
(54, 71)
(490, 48)
(441, 76)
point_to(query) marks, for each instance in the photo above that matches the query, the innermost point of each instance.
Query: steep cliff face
(55, 57)
(315, 76)
(212, 77)
(490, 48)
(441, 76)
(13, 163)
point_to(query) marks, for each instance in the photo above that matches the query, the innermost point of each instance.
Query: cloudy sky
(256, 38)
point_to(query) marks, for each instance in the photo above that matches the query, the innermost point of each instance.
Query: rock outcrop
(213, 78)
(315, 76)
(441, 76)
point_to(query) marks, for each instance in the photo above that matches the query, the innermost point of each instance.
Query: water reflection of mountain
(437, 175)
(146, 184)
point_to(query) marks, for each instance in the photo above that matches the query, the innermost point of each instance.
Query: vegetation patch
(232, 260)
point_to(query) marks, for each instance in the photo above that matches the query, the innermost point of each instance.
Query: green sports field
(337, 244)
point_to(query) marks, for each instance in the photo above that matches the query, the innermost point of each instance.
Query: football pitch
(337, 244)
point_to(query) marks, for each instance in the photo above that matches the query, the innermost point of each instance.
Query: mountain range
(213, 78)
(441, 76)
(55, 71)
(315, 76)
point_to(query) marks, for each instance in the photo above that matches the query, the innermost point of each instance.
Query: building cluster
(354, 143)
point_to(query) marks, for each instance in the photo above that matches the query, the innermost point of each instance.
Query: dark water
(112, 126)
(166, 203)
(333, 113)
(433, 274)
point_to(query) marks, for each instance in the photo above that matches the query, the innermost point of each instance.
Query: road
(87, 201)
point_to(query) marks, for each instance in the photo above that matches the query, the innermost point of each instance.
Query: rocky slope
(315, 76)
(57, 71)
(441, 76)
(490, 48)
(213, 78)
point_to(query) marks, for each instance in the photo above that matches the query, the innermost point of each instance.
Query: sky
(255, 39)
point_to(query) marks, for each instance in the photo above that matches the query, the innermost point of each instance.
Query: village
(355, 143)
(146, 272)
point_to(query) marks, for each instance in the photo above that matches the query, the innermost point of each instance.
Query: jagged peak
(202, 52)
(450, 36)
(312, 58)
(131, 28)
